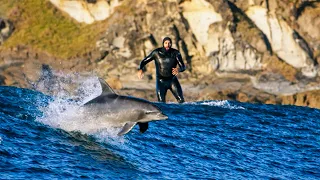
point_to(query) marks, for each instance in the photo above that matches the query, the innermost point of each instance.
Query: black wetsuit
(165, 60)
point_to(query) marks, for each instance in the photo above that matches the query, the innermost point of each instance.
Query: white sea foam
(0, 140)
(223, 103)
(110, 136)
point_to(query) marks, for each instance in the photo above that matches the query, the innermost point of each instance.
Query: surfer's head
(167, 43)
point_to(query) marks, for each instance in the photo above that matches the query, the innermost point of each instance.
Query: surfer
(166, 61)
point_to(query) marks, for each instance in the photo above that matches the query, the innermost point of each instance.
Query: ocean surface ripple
(200, 140)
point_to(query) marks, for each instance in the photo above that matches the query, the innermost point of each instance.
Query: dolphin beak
(162, 116)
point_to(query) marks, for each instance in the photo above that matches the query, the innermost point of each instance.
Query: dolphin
(128, 110)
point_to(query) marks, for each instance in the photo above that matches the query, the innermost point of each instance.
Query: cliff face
(87, 11)
(238, 39)
(270, 49)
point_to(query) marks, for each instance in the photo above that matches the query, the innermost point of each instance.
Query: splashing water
(223, 104)
(78, 87)
(70, 92)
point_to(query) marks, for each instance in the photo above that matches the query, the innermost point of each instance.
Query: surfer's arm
(181, 65)
(146, 60)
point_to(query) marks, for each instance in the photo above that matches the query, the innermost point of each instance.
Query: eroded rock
(87, 11)
(6, 29)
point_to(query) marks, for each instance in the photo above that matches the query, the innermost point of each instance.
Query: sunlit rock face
(231, 55)
(218, 43)
(87, 11)
(309, 21)
(200, 15)
(283, 40)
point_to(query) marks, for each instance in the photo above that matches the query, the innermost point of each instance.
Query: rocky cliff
(251, 50)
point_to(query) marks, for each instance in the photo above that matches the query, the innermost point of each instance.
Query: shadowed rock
(6, 29)
(2, 78)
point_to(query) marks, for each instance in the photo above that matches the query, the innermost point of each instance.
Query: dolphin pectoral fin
(126, 128)
(143, 127)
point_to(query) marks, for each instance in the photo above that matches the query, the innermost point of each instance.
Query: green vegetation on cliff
(40, 26)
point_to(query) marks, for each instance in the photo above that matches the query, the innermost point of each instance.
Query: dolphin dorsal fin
(105, 87)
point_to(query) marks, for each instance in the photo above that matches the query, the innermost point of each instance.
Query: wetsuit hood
(166, 39)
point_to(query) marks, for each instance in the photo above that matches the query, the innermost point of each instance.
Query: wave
(262, 141)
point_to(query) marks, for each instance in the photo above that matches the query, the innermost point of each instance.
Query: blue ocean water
(200, 140)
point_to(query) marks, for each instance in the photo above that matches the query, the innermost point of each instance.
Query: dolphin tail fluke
(143, 127)
(126, 128)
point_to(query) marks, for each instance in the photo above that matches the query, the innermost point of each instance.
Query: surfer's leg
(161, 91)
(177, 90)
